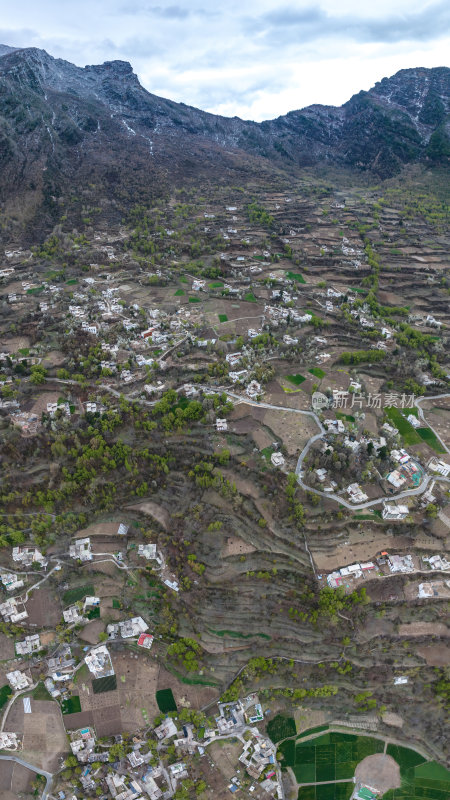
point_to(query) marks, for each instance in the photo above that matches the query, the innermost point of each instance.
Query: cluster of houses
(383, 565)
(131, 778)
(127, 629)
(407, 473)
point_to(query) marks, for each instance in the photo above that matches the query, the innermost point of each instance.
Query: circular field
(380, 772)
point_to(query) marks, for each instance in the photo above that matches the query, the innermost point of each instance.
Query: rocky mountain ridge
(62, 124)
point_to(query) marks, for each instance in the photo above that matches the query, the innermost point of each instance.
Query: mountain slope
(62, 125)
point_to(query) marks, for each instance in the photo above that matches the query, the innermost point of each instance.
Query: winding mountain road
(332, 495)
(298, 470)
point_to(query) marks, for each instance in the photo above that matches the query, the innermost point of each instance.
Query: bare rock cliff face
(62, 125)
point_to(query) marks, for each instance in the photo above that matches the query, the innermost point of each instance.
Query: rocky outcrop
(61, 124)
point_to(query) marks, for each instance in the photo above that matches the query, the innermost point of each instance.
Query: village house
(61, 662)
(238, 377)
(253, 390)
(401, 563)
(335, 426)
(31, 644)
(178, 771)
(11, 612)
(90, 602)
(72, 615)
(28, 556)
(127, 628)
(18, 680)
(51, 688)
(166, 730)
(9, 741)
(356, 494)
(437, 465)
(172, 584)
(11, 581)
(396, 478)
(145, 640)
(99, 662)
(394, 512)
(233, 358)
(147, 550)
(437, 562)
(81, 550)
(150, 785)
(277, 459)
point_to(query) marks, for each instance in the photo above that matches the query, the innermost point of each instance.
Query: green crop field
(295, 276)
(313, 730)
(77, 593)
(406, 430)
(179, 292)
(286, 753)
(405, 757)
(431, 439)
(421, 780)
(332, 756)
(317, 372)
(296, 379)
(166, 701)
(71, 705)
(280, 727)
(432, 771)
(332, 791)
(216, 285)
(5, 693)
(223, 318)
(348, 417)
(108, 684)
(194, 300)
(250, 297)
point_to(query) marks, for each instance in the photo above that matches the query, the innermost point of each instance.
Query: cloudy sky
(253, 58)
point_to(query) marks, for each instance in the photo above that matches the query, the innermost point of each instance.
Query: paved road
(32, 588)
(328, 495)
(324, 783)
(47, 775)
(332, 495)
